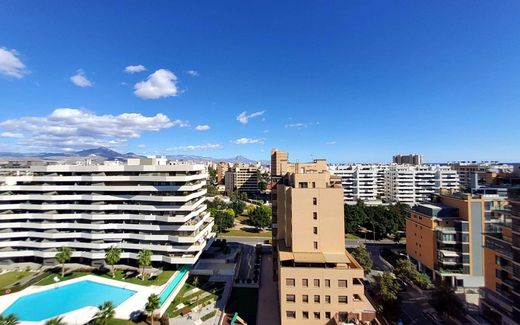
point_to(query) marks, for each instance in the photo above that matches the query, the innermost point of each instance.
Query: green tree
(355, 217)
(112, 256)
(262, 185)
(212, 190)
(260, 217)
(212, 175)
(153, 303)
(406, 270)
(445, 301)
(55, 321)
(144, 259)
(361, 255)
(105, 313)
(386, 288)
(10, 319)
(216, 204)
(63, 255)
(224, 219)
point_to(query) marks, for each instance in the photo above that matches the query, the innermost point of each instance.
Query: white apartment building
(466, 169)
(379, 183)
(145, 204)
(411, 184)
(361, 182)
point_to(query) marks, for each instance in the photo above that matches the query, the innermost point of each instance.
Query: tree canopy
(383, 220)
(361, 255)
(260, 217)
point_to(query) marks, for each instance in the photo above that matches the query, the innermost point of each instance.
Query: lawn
(242, 233)
(352, 237)
(49, 279)
(10, 278)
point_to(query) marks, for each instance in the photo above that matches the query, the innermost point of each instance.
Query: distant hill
(109, 154)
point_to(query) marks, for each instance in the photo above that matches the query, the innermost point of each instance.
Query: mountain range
(109, 154)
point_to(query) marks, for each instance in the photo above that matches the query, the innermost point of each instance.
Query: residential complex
(500, 297)
(412, 159)
(445, 237)
(378, 183)
(468, 169)
(319, 282)
(242, 178)
(144, 204)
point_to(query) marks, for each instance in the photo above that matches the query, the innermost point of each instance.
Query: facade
(361, 182)
(222, 168)
(145, 204)
(499, 301)
(467, 170)
(445, 237)
(412, 159)
(319, 282)
(411, 184)
(242, 178)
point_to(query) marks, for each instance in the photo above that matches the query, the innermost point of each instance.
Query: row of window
(291, 282)
(317, 299)
(305, 314)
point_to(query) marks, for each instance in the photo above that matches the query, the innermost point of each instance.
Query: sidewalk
(268, 305)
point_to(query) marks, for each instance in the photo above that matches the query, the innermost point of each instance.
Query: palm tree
(154, 302)
(105, 313)
(63, 256)
(10, 319)
(144, 258)
(112, 256)
(55, 321)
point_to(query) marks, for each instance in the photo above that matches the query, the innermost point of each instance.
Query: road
(348, 242)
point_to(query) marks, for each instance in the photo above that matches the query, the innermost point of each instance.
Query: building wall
(421, 240)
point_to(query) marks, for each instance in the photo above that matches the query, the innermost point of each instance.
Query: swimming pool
(56, 301)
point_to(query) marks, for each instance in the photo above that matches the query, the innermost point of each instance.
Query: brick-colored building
(319, 282)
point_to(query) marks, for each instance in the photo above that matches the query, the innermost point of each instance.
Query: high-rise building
(411, 159)
(468, 169)
(222, 168)
(411, 184)
(444, 237)
(361, 182)
(319, 282)
(145, 204)
(500, 298)
(242, 178)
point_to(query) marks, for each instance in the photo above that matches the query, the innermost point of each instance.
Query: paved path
(268, 306)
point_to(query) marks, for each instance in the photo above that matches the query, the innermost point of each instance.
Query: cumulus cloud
(135, 68)
(11, 135)
(161, 83)
(202, 127)
(244, 117)
(80, 79)
(301, 125)
(74, 129)
(199, 147)
(248, 141)
(193, 73)
(11, 65)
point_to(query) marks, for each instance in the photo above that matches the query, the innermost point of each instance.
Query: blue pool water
(52, 302)
(173, 284)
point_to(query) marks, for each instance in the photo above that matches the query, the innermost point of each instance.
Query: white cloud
(11, 135)
(181, 123)
(141, 145)
(193, 73)
(301, 125)
(202, 127)
(80, 79)
(74, 129)
(244, 117)
(161, 83)
(331, 142)
(199, 147)
(248, 141)
(11, 65)
(135, 68)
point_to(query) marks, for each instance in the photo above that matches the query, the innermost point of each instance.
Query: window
(315, 230)
(313, 184)
(305, 298)
(303, 185)
(305, 315)
(317, 283)
(315, 215)
(289, 282)
(316, 299)
(327, 299)
(315, 201)
(357, 297)
(290, 298)
(342, 299)
(290, 314)
(327, 314)
(315, 245)
(327, 283)
(316, 315)
(305, 282)
(342, 283)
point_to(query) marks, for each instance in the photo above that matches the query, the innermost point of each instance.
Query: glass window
(316, 315)
(327, 314)
(327, 283)
(342, 299)
(315, 201)
(305, 298)
(316, 299)
(289, 282)
(342, 283)
(327, 299)
(290, 314)
(315, 230)
(305, 315)
(317, 283)
(290, 298)
(305, 282)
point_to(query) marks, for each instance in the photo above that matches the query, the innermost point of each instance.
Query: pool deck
(85, 314)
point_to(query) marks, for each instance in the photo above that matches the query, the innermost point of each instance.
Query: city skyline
(356, 83)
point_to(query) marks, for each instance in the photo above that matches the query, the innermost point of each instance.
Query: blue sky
(344, 80)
